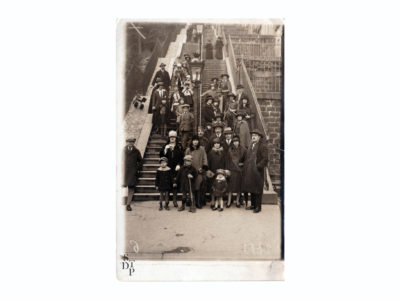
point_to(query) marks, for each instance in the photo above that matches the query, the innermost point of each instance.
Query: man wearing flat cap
(133, 164)
(163, 75)
(253, 171)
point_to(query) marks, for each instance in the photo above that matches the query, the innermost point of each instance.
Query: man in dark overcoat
(164, 76)
(133, 164)
(253, 171)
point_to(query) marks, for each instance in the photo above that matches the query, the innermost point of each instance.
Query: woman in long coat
(234, 163)
(209, 50)
(173, 150)
(218, 48)
(199, 162)
(242, 129)
(133, 164)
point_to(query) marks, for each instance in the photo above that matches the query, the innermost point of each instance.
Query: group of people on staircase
(226, 156)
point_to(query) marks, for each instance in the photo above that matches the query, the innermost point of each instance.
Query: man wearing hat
(159, 94)
(207, 113)
(218, 128)
(226, 88)
(216, 107)
(185, 179)
(227, 141)
(211, 92)
(179, 76)
(185, 122)
(163, 75)
(253, 170)
(133, 164)
(240, 94)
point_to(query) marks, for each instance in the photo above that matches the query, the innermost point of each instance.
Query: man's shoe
(220, 209)
(181, 208)
(228, 205)
(175, 203)
(250, 208)
(166, 207)
(214, 208)
(257, 210)
(128, 208)
(160, 207)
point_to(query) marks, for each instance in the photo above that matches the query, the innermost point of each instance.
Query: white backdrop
(58, 119)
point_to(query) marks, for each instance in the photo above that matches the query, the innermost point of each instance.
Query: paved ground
(231, 234)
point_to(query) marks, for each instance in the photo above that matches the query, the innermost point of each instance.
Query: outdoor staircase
(145, 189)
(212, 68)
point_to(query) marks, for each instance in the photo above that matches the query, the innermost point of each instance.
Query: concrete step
(150, 167)
(146, 181)
(147, 174)
(151, 160)
(151, 155)
(146, 189)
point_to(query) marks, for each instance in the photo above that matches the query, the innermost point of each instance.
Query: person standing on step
(218, 48)
(235, 157)
(185, 122)
(217, 127)
(208, 111)
(159, 94)
(179, 76)
(162, 116)
(241, 129)
(230, 114)
(240, 94)
(174, 152)
(248, 115)
(208, 132)
(199, 162)
(185, 180)
(212, 92)
(215, 82)
(227, 140)
(209, 50)
(164, 76)
(216, 108)
(133, 163)
(203, 140)
(188, 94)
(226, 89)
(254, 169)
(164, 182)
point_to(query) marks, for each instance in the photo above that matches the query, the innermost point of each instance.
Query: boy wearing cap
(133, 164)
(185, 180)
(164, 182)
(185, 122)
(216, 160)
(219, 189)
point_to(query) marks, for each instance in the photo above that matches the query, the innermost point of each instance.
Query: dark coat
(186, 122)
(207, 114)
(175, 157)
(209, 51)
(219, 187)
(133, 164)
(253, 170)
(216, 160)
(159, 118)
(158, 97)
(233, 158)
(164, 76)
(218, 49)
(164, 179)
(240, 97)
(183, 181)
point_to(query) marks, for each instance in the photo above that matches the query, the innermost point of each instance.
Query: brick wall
(271, 111)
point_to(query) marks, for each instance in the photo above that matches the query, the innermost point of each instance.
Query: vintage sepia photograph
(200, 172)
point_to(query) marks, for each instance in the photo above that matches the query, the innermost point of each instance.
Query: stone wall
(271, 112)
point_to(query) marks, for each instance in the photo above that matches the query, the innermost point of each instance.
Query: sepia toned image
(201, 150)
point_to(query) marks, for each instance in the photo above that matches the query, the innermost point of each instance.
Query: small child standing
(164, 182)
(185, 179)
(219, 188)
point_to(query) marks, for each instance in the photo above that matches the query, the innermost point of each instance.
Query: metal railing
(256, 38)
(255, 50)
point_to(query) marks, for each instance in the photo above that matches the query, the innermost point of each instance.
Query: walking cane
(192, 207)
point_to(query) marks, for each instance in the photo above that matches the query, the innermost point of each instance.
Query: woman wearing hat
(242, 130)
(226, 89)
(199, 162)
(218, 48)
(236, 155)
(133, 164)
(253, 170)
(207, 113)
(188, 93)
(174, 152)
(179, 76)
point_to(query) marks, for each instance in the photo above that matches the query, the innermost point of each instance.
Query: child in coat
(164, 182)
(185, 180)
(162, 116)
(219, 188)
